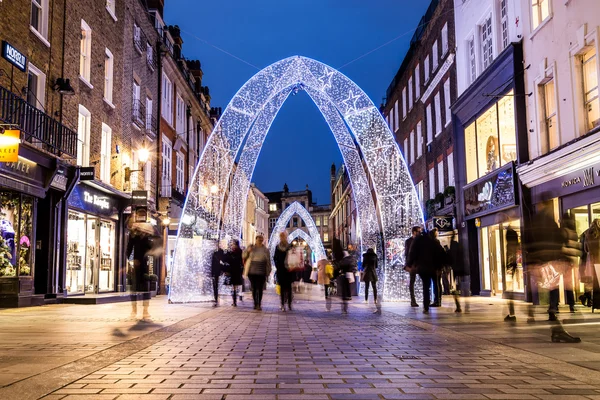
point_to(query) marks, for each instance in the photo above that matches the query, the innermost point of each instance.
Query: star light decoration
(367, 144)
(296, 208)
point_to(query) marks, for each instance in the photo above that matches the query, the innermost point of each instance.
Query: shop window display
(16, 218)
(90, 255)
(490, 141)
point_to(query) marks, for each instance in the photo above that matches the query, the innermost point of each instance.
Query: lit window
(36, 87)
(109, 62)
(406, 150)
(85, 54)
(540, 10)
(105, 148)
(325, 221)
(487, 49)
(137, 37)
(431, 184)
(273, 207)
(445, 39)
(426, 66)
(438, 114)
(325, 236)
(39, 17)
(550, 122)
(451, 169)
(504, 23)
(420, 191)
(83, 137)
(429, 123)
(412, 147)
(167, 172)
(590, 88)
(441, 176)
(318, 221)
(434, 56)
(472, 60)
(396, 119)
(490, 141)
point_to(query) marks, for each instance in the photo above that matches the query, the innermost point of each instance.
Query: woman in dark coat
(284, 276)
(235, 268)
(370, 273)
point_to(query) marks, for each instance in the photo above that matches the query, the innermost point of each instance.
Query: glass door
(76, 252)
(91, 265)
(106, 273)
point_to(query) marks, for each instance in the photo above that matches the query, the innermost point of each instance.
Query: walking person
(461, 274)
(412, 270)
(235, 268)
(369, 274)
(437, 288)
(428, 256)
(140, 244)
(284, 276)
(258, 268)
(572, 253)
(324, 276)
(216, 269)
(544, 258)
(347, 269)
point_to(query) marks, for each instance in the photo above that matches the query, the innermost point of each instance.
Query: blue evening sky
(299, 148)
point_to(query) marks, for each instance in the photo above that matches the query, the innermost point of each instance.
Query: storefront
(490, 138)
(569, 180)
(23, 184)
(94, 261)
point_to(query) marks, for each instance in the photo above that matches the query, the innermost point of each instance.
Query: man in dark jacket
(416, 231)
(428, 256)
(461, 274)
(216, 269)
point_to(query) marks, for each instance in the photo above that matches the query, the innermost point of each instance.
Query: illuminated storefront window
(490, 141)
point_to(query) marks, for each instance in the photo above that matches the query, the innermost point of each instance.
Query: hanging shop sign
(87, 173)
(139, 198)
(14, 56)
(9, 145)
(59, 181)
(494, 192)
(443, 224)
(89, 199)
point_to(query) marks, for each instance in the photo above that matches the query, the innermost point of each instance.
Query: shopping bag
(548, 277)
(278, 289)
(350, 277)
(314, 275)
(329, 270)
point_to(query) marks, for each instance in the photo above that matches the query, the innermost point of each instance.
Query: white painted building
(256, 218)
(483, 29)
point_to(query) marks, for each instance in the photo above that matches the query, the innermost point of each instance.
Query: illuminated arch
(244, 122)
(313, 233)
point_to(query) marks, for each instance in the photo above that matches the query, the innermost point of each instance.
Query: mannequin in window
(491, 151)
(591, 267)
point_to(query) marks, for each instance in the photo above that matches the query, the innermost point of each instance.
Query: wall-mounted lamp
(63, 86)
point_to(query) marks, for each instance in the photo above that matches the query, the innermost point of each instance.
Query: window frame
(503, 25)
(167, 167)
(486, 39)
(179, 172)
(111, 7)
(419, 140)
(426, 70)
(537, 22)
(585, 90)
(105, 153)
(412, 147)
(440, 176)
(40, 89)
(167, 100)
(410, 93)
(448, 102)
(435, 61)
(429, 125)
(471, 60)
(137, 37)
(85, 53)
(83, 136)
(445, 43)
(417, 83)
(42, 20)
(179, 115)
(404, 104)
(438, 114)
(109, 65)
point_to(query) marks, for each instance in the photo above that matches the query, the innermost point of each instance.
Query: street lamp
(214, 189)
(143, 155)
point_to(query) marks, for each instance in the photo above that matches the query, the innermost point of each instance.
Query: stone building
(417, 109)
(343, 224)
(256, 216)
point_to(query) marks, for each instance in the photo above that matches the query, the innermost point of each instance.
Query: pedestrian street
(200, 352)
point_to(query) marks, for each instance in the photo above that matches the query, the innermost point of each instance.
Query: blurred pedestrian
(140, 244)
(437, 288)
(544, 258)
(347, 268)
(258, 268)
(369, 274)
(428, 256)
(216, 269)
(323, 275)
(461, 274)
(235, 269)
(411, 269)
(284, 276)
(572, 252)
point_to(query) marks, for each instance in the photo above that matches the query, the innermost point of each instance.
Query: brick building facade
(417, 108)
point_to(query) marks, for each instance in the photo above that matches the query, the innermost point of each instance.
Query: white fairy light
(366, 143)
(313, 233)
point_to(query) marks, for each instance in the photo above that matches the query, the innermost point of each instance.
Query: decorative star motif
(350, 102)
(325, 79)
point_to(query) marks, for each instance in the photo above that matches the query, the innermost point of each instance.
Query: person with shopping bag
(257, 269)
(284, 275)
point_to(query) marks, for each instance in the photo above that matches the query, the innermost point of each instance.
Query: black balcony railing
(138, 114)
(36, 126)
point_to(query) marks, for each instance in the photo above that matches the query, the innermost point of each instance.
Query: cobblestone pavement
(309, 353)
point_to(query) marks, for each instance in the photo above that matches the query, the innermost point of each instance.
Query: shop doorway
(90, 256)
(501, 261)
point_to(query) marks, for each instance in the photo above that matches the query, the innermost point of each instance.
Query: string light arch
(235, 143)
